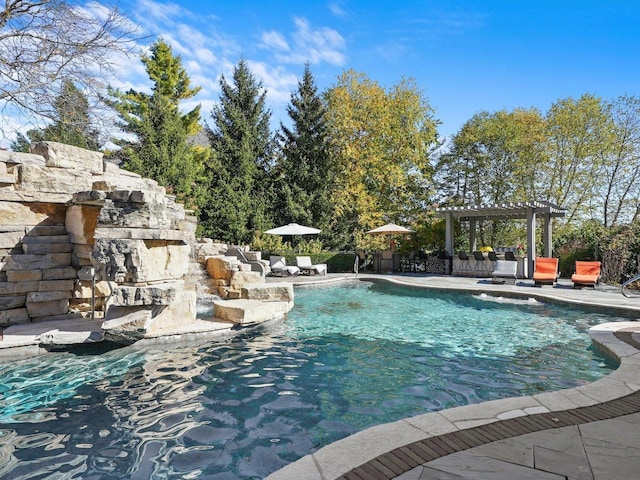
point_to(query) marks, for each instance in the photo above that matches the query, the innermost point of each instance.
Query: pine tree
(72, 124)
(159, 148)
(303, 170)
(242, 146)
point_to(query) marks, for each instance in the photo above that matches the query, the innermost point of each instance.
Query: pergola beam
(505, 211)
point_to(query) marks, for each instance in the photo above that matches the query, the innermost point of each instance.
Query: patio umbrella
(390, 229)
(293, 229)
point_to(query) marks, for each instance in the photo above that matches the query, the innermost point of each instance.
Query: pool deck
(589, 432)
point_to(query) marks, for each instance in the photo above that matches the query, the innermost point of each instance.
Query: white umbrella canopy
(293, 229)
(390, 229)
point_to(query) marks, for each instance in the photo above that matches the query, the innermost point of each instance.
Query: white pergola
(505, 211)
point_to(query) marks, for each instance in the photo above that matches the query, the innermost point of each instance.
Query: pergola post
(547, 236)
(531, 240)
(472, 235)
(448, 241)
(508, 211)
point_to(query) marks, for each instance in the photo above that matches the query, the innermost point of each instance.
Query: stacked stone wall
(78, 234)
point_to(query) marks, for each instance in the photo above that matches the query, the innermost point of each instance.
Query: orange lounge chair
(546, 271)
(587, 273)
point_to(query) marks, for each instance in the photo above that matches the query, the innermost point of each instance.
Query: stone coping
(388, 450)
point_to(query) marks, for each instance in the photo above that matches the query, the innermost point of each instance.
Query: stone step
(33, 239)
(33, 262)
(46, 230)
(282, 292)
(13, 316)
(35, 275)
(9, 240)
(44, 248)
(49, 295)
(249, 312)
(47, 308)
(12, 301)
(60, 273)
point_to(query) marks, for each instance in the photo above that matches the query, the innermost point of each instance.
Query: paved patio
(589, 432)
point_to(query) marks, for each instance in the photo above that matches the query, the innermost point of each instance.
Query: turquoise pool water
(346, 358)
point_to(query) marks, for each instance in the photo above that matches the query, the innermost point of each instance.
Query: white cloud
(274, 40)
(278, 82)
(320, 45)
(206, 56)
(336, 9)
(164, 12)
(308, 44)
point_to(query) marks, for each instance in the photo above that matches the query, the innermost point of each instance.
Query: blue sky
(466, 56)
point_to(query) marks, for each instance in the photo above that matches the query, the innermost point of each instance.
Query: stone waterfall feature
(141, 245)
(80, 237)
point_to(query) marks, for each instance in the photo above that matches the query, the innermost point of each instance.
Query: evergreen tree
(72, 124)
(22, 143)
(303, 171)
(157, 146)
(239, 197)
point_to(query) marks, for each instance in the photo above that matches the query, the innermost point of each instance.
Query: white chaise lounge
(505, 272)
(304, 263)
(279, 266)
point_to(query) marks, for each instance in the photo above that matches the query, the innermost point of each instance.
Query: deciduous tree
(47, 42)
(577, 131)
(620, 192)
(382, 140)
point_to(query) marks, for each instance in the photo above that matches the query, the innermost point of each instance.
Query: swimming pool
(346, 358)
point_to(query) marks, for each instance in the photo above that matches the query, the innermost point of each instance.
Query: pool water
(347, 357)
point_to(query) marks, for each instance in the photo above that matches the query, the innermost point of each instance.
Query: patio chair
(546, 271)
(408, 262)
(280, 268)
(505, 272)
(366, 262)
(306, 267)
(509, 256)
(480, 264)
(587, 274)
(464, 262)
